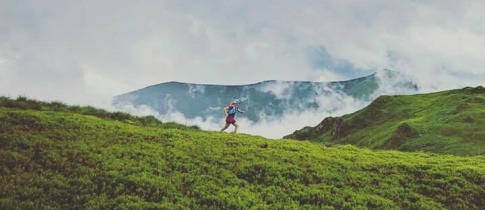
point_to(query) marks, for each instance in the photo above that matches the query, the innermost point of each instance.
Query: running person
(230, 113)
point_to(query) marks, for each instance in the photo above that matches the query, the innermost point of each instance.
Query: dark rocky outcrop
(400, 136)
(475, 90)
(333, 126)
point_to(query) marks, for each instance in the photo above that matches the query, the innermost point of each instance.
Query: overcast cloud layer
(85, 52)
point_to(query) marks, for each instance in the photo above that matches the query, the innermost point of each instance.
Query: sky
(85, 52)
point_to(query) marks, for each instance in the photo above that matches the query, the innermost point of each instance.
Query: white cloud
(280, 89)
(196, 88)
(326, 75)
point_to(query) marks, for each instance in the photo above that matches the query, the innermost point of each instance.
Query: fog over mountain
(272, 108)
(87, 52)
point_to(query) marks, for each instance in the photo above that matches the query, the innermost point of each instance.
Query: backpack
(233, 110)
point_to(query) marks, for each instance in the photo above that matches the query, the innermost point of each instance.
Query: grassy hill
(54, 156)
(450, 122)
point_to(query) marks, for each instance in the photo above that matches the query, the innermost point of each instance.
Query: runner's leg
(236, 126)
(225, 127)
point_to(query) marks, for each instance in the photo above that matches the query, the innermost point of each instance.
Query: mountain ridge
(255, 83)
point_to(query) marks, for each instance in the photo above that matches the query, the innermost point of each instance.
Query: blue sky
(84, 52)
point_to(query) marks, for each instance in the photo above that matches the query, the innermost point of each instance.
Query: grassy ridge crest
(67, 160)
(449, 122)
(24, 103)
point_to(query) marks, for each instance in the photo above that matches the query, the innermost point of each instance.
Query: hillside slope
(76, 160)
(451, 122)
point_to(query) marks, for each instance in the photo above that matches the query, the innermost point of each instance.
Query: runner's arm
(225, 110)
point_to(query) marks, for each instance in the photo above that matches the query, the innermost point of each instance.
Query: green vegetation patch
(449, 122)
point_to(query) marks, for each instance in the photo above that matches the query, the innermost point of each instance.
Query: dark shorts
(230, 120)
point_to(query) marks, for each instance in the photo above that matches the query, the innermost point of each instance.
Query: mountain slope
(444, 122)
(265, 99)
(67, 159)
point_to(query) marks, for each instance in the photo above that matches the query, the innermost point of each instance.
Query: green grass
(67, 159)
(449, 122)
